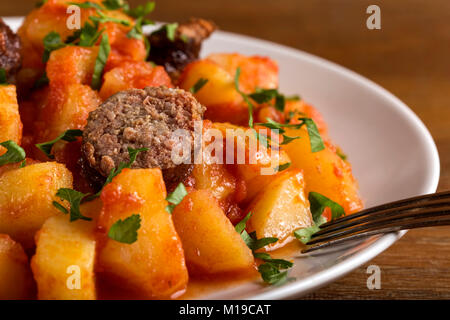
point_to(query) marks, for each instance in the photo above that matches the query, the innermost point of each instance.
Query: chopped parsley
(68, 135)
(74, 198)
(125, 231)
(341, 154)
(100, 62)
(14, 153)
(305, 234)
(115, 4)
(316, 141)
(40, 3)
(198, 85)
(41, 81)
(171, 29)
(271, 270)
(244, 96)
(318, 203)
(141, 10)
(3, 77)
(282, 167)
(52, 41)
(176, 197)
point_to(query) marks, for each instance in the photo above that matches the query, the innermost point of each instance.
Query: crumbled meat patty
(185, 48)
(9, 51)
(140, 118)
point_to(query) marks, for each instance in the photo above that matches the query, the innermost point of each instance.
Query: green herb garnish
(318, 203)
(115, 4)
(171, 29)
(52, 41)
(282, 167)
(86, 5)
(68, 135)
(341, 154)
(125, 231)
(141, 10)
(198, 85)
(74, 198)
(270, 270)
(3, 77)
(305, 234)
(100, 62)
(14, 153)
(176, 197)
(40, 3)
(41, 81)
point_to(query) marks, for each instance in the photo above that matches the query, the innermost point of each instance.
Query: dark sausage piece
(175, 55)
(139, 119)
(9, 51)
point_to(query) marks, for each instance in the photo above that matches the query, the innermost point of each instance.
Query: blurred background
(409, 56)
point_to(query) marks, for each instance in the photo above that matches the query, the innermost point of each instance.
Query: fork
(418, 212)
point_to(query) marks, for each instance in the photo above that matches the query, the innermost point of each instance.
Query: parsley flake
(100, 62)
(171, 29)
(318, 203)
(3, 77)
(74, 198)
(198, 85)
(52, 41)
(125, 231)
(176, 197)
(14, 153)
(68, 135)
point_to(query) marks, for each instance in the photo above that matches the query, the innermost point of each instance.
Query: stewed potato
(280, 209)
(254, 165)
(154, 264)
(10, 124)
(63, 265)
(26, 196)
(325, 172)
(16, 280)
(210, 242)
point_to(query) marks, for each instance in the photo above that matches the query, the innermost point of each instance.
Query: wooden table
(409, 56)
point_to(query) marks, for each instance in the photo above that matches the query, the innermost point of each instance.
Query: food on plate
(145, 118)
(26, 198)
(174, 46)
(281, 208)
(154, 263)
(63, 265)
(10, 59)
(16, 280)
(131, 167)
(210, 242)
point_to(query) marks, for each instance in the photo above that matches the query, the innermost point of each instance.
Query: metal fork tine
(411, 215)
(382, 214)
(395, 204)
(389, 229)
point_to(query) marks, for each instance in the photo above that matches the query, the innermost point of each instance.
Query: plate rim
(320, 279)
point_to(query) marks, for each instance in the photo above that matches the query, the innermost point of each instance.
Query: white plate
(392, 153)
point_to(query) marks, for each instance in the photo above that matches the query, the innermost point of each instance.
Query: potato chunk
(63, 265)
(154, 264)
(325, 172)
(210, 242)
(10, 124)
(26, 196)
(16, 281)
(280, 209)
(253, 163)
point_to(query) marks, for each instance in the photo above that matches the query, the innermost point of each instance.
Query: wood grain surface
(409, 56)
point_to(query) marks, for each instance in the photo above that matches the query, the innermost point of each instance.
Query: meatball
(175, 54)
(9, 51)
(140, 118)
